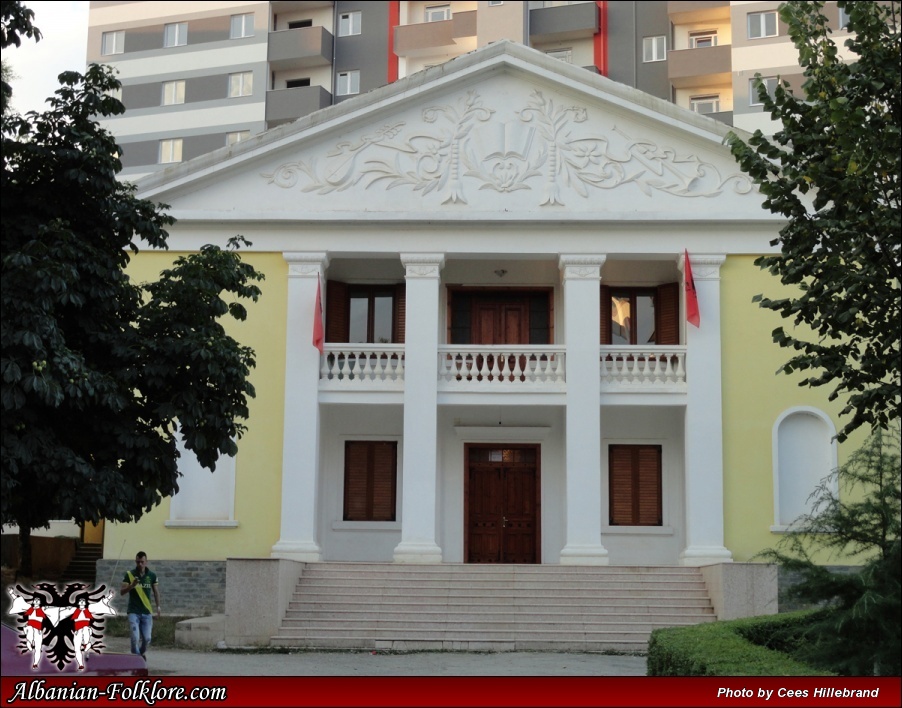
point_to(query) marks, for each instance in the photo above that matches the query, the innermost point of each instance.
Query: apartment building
(197, 76)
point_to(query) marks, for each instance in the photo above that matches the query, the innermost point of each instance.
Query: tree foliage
(100, 374)
(832, 169)
(859, 633)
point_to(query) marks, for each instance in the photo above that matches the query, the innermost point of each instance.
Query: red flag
(318, 335)
(692, 316)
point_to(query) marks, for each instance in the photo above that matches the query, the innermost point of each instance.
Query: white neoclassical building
(507, 374)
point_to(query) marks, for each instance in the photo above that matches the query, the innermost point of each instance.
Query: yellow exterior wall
(753, 397)
(258, 474)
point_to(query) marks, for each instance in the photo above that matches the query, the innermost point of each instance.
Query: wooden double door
(502, 504)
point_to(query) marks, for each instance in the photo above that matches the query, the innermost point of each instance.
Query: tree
(832, 169)
(99, 375)
(17, 21)
(858, 633)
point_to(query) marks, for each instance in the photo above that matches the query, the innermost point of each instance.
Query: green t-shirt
(141, 592)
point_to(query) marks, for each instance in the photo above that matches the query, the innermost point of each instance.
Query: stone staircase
(489, 607)
(83, 565)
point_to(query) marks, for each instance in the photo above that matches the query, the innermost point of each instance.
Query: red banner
(523, 692)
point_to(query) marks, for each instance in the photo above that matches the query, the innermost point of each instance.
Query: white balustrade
(466, 365)
(646, 366)
(362, 364)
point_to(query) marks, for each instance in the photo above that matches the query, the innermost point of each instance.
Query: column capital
(423, 265)
(581, 267)
(704, 266)
(305, 264)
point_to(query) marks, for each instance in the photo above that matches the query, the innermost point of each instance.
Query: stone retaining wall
(187, 588)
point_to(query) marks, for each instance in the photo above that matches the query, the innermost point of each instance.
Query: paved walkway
(183, 662)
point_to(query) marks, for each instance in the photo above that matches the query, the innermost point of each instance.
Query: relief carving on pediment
(543, 147)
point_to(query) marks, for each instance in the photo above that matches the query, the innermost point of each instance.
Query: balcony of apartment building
(700, 11)
(558, 21)
(294, 101)
(699, 64)
(299, 48)
(454, 35)
(504, 339)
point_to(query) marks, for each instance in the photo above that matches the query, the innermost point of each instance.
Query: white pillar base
(423, 553)
(305, 552)
(705, 555)
(584, 555)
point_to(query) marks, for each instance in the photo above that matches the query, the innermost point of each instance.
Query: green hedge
(752, 646)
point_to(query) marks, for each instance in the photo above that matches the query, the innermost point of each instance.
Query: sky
(64, 26)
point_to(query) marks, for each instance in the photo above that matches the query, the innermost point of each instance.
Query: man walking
(138, 584)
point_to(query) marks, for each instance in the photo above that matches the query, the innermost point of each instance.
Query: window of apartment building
(175, 34)
(349, 23)
(632, 316)
(297, 83)
(634, 485)
(770, 83)
(654, 48)
(374, 314)
(702, 38)
(437, 13)
(300, 24)
(241, 84)
(242, 26)
(173, 93)
(237, 136)
(347, 83)
(371, 480)
(112, 42)
(705, 104)
(170, 150)
(565, 55)
(762, 24)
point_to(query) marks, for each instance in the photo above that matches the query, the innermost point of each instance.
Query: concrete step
(491, 608)
(473, 645)
(349, 603)
(295, 618)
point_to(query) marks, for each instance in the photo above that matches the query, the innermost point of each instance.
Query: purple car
(14, 663)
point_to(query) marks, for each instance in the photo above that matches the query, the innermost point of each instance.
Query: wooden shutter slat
(338, 312)
(667, 314)
(399, 323)
(605, 323)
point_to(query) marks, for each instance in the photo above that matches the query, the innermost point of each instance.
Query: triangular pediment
(503, 133)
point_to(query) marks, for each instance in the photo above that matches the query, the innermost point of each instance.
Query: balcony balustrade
(643, 368)
(490, 367)
(362, 366)
(380, 367)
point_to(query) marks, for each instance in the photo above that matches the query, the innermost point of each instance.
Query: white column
(704, 421)
(582, 299)
(419, 488)
(300, 435)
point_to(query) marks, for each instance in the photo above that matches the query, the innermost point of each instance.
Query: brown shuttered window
(634, 486)
(631, 316)
(365, 313)
(371, 472)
